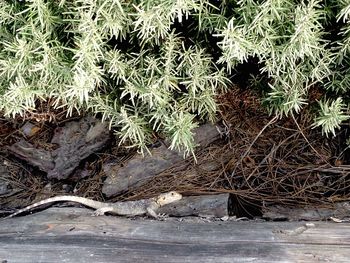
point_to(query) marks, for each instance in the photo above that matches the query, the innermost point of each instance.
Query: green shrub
(123, 59)
(297, 46)
(149, 65)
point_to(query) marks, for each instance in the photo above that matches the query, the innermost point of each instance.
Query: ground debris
(261, 161)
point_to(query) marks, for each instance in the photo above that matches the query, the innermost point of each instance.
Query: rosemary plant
(295, 50)
(123, 59)
(148, 66)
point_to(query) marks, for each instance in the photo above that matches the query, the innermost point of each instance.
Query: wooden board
(202, 205)
(72, 235)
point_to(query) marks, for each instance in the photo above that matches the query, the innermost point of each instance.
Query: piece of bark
(34, 156)
(340, 211)
(76, 140)
(206, 134)
(204, 205)
(139, 169)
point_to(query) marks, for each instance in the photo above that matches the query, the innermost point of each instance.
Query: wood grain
(72, 235)
(203, 205)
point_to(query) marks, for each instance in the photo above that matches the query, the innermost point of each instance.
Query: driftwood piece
(340, 211)
(204, 205)
(137, 171)
(72, 235)
(76, 140)
(140, 169)
(34, 156)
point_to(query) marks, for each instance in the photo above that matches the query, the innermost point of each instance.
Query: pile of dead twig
(263, 160)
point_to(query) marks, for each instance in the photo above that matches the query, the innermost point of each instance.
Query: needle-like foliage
(119, 58)
(295, 50)
(148, 66)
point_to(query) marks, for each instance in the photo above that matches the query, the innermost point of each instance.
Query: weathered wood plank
(340, 211)
(203, 205)
(72, 235)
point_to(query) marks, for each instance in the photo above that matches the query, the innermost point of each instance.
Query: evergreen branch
(332, 113)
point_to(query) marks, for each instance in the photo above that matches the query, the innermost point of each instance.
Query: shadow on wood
(72, 235)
